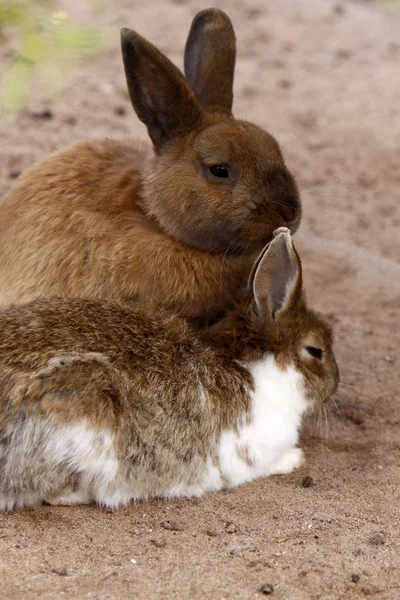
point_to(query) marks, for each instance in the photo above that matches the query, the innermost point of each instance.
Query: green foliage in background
(47, 45)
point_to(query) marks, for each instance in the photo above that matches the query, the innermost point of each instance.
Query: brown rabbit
(106, 403)
(179, 223)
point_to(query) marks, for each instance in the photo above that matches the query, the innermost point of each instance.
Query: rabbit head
(216, 183)
(299, 336)
(272, 318)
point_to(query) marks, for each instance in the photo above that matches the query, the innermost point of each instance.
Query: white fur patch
(292, 459)
(259, 448)
(84, 449)
(266, 444)
(70, 498)
(64, 449)
(88, 451)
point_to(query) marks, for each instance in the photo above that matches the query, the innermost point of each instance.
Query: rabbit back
(180, 223)
(125, 445)
(106, 413)
(62, 223)
(75, 234)
(132, 407)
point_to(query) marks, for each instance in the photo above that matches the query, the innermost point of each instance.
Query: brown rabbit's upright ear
(210, 55)
(159, 92)
(277, 278)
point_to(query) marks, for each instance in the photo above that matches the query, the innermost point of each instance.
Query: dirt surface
(324, 78)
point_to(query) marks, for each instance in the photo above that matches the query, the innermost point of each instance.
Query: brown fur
(93, 344)
(137, 372)
(116, 220)
(210, 35)
(272, 316)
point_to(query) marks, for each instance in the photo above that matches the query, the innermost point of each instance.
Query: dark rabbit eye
(314, 352)
(218, 171)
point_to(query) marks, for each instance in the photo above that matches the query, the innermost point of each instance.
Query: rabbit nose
(290, 212)
(294, 224)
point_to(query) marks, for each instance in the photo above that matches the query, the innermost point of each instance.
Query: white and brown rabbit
(179, 223)
(105, 403)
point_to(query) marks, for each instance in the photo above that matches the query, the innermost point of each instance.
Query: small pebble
(230, 528)
(45, 114)
(158, 542)
(377, 539)
(133, 561)
(110, 574)
(388, 359)
(307, 481)
(344, 54)
(61, 572)
(394, 48)
(288, 46)
(120, 111)
(267, 589)
(355, 578)
(338, 9)
(254, 13)
(248, 91)
(172, 526)
(211, 532)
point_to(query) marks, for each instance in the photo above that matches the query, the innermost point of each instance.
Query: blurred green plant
(47, 46)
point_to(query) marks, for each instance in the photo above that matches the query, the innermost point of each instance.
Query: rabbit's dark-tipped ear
(277, 279)
(210, 55)
(159, 92)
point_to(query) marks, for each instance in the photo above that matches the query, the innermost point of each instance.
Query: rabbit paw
(69, 498)
(292, 459)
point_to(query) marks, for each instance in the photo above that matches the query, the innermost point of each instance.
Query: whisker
(353, 369)
(349, 385)
(336, 406)
(335, 409)
(326, 422)
(321, 431)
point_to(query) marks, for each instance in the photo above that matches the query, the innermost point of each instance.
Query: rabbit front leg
(70, 497)
(291, 460)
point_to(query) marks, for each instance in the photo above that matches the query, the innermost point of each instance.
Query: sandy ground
(324, 78)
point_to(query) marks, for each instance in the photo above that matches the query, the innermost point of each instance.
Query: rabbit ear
(159, 92)
(210, 59)
(277, 279)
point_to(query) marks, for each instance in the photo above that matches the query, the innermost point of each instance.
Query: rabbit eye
(218, 171)
(315, 352)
